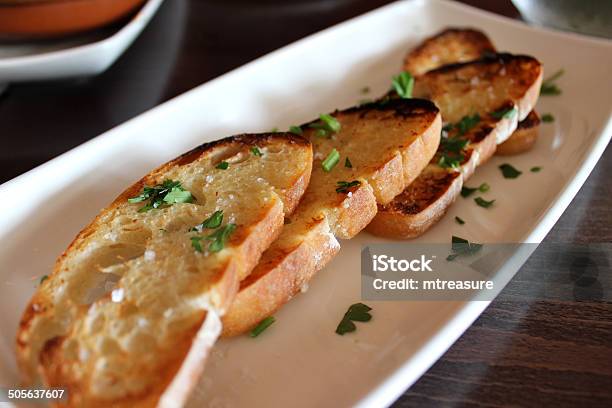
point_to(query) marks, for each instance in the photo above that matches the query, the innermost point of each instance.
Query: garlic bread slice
(121, 315)
(381, 148)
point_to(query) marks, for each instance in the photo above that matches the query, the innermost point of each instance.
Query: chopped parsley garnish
(509, 172)
(222, 165)
(451, 151)
(326, 126)
(168, 193)
(296, 130)
(548, 85)
(467, 191)
(274, 130)
(464, 125)
(347, 163)
(357, 312)
(403, 85)
(195, 243)
(365, 90)
(263, 325)
(212, 222)
(345, 186)
(220, 237)
(483, 203)
(462, 246)
(459, 221)
(535, 169)
(504, 113)
(256, 152)
(331, 160)
(548, 118)
(43, 278)
(178, 195)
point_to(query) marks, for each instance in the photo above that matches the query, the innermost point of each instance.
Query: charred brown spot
(532, 120)
(424, 191)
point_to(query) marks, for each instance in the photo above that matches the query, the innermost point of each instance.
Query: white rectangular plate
(300, 361)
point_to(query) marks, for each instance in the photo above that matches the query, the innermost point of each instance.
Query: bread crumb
(209, 178)
(168, 312)
(318, 155)
(117, 295)
(304, 288)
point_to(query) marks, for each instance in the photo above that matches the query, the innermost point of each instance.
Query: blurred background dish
(593, 17)
(53, 18)
(81, 55)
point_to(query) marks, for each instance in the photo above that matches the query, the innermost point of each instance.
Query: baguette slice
(524, 137)
(387, 145)
(449, 46)
(500, 90)
(455, 45)
(121, 315)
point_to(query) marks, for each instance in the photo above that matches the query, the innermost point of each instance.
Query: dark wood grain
(540, 343)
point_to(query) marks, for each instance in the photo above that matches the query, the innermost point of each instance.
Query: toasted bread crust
(455, 45)
(509, 83)
(524, 137)
(419, 206)
(54, 321)
(449, 46)
(308, 243)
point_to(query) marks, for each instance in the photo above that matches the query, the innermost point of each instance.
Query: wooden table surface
(529, 348)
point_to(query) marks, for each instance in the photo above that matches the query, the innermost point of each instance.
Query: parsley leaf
(331, 160)
(195, 243)
(219, 237)
(167, 193)
(548, 118)
(42, 279)
(509, 172)
(212, 222)
(504, 113)
(467, 191)
(256, 152)
(535, 169)
(461, 247)
(459, 221)
(365, 90)
(548, 85)
(348, 164)
(357, 312)
(451, 151)
(326, 125)
(296, 130)
(263, 325)
(403, 85)
(178, 195)
(222, 165)
(344, 186)
(483, 203)
(466, 123)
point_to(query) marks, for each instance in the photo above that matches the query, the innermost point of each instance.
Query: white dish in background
(300, 361)
(83, 55)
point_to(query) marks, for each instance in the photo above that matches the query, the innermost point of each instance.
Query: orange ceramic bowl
(53, 18)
